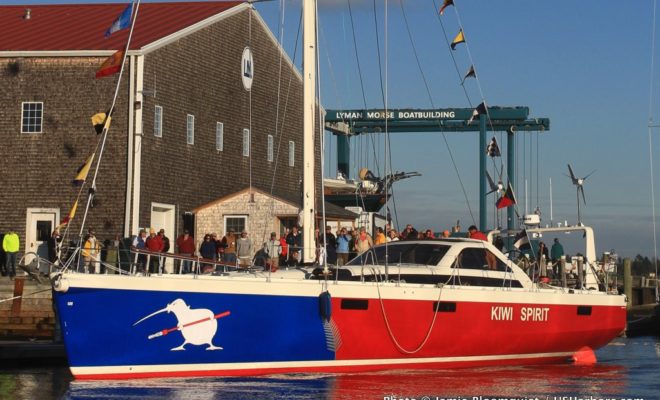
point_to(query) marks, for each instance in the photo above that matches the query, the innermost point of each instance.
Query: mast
(309, 114)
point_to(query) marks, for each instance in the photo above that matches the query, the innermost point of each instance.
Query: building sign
(247, 68)
(396, 115)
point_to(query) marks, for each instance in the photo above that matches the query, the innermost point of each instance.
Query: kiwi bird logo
(198, 326)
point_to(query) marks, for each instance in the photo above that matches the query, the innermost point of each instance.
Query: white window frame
(237, 216)
(190, 129)
(40, 119)
(270, 148)
(158, 121)
(292, 153)
(219, 136)
(246, 142)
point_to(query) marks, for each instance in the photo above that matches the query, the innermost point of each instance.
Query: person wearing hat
(244, 249)
(272, 249)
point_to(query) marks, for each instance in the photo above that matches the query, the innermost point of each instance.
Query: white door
(40, 225)
(163, 217)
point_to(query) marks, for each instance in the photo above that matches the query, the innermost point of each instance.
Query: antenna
(551, 223)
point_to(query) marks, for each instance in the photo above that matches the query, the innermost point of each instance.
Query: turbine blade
(584, 199)
(570, 170)
(589, 175)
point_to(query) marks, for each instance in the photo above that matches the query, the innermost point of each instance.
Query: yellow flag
(460, 38)
(83, 171)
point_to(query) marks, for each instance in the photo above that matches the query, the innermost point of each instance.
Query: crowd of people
(234, 249)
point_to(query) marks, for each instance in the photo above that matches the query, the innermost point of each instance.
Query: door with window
(40, 225)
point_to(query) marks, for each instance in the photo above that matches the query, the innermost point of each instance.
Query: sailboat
(412, 304)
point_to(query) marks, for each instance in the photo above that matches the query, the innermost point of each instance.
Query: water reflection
(627, 367)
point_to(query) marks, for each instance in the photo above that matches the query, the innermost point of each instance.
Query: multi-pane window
(33, 115)
(158, 121)
(246, 143)
(219, 135)
(235, 223)
(190, 129)
(292, 153)
(270, 148)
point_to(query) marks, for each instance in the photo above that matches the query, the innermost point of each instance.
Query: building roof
(73, 27)
(331, 210)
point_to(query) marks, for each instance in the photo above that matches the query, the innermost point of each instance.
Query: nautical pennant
(481, 109)
(493, 149)
(111, 65)
(446, 4)
(470, 74)
(460, 38)
(83, 171)
(508, 199)
(71, 214)
(123, 21)
(100, 121)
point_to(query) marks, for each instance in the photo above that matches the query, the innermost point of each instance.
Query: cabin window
(33, 114)
(246, 143)
(219, 135)
(158, 121)
(235, 223)
(190, 129)
(405, 253)
(270, 148)
(476, 258)
(292, 153)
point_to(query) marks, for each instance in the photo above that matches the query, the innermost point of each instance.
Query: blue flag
(122, 22)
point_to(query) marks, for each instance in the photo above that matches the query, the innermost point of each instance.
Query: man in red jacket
(185, 245)
(155, 244)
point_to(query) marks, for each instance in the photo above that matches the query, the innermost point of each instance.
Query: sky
(584, 65)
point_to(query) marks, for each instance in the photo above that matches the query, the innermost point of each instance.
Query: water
(627, 368)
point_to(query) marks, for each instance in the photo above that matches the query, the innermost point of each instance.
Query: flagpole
(106, 126)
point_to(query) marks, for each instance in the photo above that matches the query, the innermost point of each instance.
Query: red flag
(111, 65)
(508, 199)
(446, 4)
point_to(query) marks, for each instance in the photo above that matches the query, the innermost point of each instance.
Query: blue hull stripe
(98, 330)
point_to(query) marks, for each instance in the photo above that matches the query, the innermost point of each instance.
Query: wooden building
(185, 131)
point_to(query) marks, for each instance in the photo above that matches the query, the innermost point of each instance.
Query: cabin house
(196, 117)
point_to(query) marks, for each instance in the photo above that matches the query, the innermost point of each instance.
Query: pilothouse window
(406, 253)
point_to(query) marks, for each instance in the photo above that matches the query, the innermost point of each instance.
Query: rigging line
(282, 13)
(323, 257)
(286, 103)
(106, 127)
(650, 131)
(357, 56)
(453, 58)
(382, 89)
(428, 92)
(467, 48)
(250, 112)
(538, 168)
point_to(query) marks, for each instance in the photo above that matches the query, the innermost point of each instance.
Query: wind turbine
(579, 184)
(499, 188)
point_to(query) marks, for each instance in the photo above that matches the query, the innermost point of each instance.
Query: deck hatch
(584, 310)
(354, 304)
(444, 306)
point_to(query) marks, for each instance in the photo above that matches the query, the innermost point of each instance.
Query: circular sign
(247, 68)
